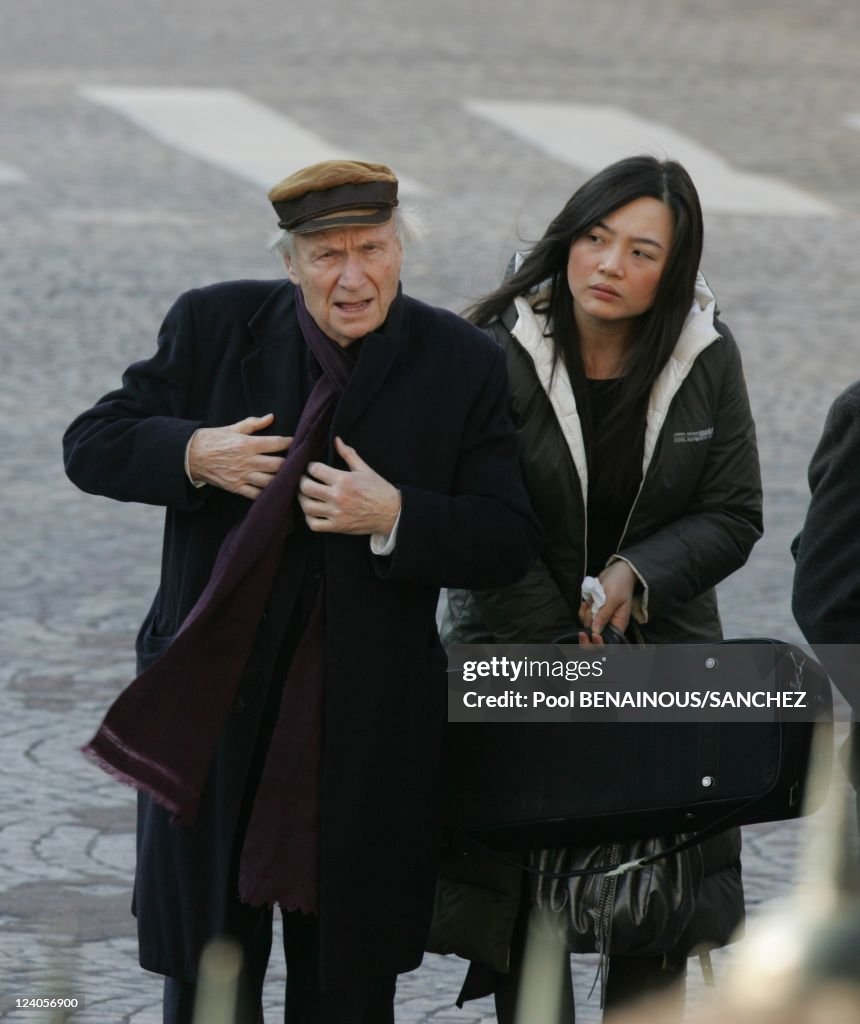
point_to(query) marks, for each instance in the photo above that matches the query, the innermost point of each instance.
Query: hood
(698, 332)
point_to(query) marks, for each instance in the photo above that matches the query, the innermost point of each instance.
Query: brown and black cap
(335, 194)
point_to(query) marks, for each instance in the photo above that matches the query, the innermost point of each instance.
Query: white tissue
(592, 588)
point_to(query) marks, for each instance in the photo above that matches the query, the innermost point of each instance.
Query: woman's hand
(618, 583)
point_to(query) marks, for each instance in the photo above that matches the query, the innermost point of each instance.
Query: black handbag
(639, 912)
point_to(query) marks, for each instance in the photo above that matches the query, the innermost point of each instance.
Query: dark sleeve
(532, 611)
(826, 593)
(484, 532)
(131, 444)
(723, 521)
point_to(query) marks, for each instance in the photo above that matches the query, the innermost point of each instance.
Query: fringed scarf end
(256, 891)
(120, 764)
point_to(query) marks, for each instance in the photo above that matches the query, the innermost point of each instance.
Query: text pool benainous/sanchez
(704, 699)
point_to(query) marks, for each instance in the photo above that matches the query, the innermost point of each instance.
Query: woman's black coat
(426, 408)
(694, 521)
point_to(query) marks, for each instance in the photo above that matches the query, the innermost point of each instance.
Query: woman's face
(614, 269)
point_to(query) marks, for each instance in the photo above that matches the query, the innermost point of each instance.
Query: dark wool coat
(697, 513)
(826, 597)
(826, 594)
(426, 408)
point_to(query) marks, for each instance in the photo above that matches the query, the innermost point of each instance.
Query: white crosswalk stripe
(10, 175)
(590, 137)
(226, 129)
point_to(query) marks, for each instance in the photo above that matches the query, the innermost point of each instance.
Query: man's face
(348, 277)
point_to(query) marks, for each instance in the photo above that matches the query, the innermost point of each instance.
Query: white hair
(408, 226)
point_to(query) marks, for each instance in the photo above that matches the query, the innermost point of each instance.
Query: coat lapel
(272, 371)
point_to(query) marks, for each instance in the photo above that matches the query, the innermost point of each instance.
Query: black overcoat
(826, 592)
(426, 408)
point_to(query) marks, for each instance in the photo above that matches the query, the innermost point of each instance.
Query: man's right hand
(233, 459)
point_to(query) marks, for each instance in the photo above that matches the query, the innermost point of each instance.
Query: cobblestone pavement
(105, 225)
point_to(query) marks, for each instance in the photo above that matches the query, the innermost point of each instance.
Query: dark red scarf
(161, 733)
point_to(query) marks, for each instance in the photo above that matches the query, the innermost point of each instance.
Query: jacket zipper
(606, 902)
(603, 920)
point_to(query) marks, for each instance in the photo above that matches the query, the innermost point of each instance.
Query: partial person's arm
(132, 445)
(531, 611)
(825, 598)
(826, 594)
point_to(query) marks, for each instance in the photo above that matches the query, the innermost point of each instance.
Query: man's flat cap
(335, 194)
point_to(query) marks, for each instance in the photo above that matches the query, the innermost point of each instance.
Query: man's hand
(233, 459)
(618, 582)
(357, 500)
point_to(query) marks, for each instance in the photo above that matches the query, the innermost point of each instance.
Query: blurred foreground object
(800, 962)
(218, 985)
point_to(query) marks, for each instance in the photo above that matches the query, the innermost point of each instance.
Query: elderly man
(330, 453)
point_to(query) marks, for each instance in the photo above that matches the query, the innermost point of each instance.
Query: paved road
(106, 222)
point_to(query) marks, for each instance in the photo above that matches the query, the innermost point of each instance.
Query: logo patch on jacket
(691, 436)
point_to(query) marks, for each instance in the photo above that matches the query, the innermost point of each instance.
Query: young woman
(639, 454)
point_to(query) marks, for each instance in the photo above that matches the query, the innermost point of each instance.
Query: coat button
(237, 707)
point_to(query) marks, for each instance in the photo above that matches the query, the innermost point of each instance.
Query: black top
(607, 511)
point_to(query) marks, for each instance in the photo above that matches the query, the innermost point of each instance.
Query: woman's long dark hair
(657, 330)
